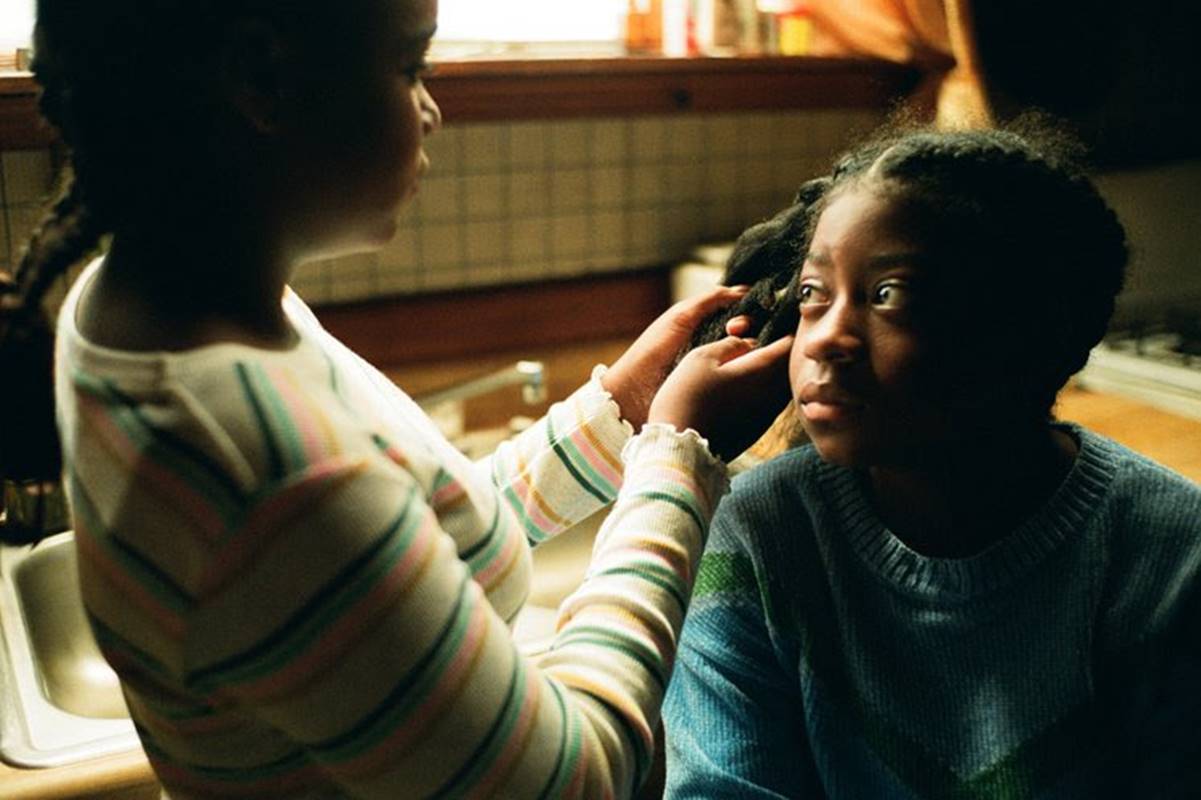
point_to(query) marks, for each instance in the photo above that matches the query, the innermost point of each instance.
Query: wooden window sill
(475, 91)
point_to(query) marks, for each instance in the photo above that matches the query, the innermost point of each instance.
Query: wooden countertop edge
(108, 774)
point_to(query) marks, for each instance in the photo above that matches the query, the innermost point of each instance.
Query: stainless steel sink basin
(61, 702)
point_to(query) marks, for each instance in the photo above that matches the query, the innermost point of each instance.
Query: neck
(184, 286)
(959, 502)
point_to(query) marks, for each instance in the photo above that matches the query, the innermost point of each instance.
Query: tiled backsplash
(523, 201)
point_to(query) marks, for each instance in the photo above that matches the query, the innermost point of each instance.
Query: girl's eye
(810, 293)
(892, 294)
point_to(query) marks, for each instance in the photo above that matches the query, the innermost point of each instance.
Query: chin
(840, 449)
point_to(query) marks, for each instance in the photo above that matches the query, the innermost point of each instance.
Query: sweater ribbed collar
(1064, 516)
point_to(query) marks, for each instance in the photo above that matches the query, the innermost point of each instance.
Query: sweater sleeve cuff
(660, 444)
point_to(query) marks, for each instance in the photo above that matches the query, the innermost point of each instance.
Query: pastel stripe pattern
(303, 599)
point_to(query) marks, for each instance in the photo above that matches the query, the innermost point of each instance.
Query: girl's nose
(834, 337)
(431, 115)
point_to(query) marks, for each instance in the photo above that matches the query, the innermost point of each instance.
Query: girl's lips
(824, 402)
(827, 394)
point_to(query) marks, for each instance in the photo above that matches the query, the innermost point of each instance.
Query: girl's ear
(254, 75)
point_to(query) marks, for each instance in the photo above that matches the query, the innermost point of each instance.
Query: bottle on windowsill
(644, 27)
(790, 27)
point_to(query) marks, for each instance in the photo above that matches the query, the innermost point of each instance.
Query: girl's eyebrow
(899, 259)
(904, 258)
(818, 259)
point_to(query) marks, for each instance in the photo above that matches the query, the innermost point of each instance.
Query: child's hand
(729, 391)
(635, 377)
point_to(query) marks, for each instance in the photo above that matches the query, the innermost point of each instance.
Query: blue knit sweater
(822, 658)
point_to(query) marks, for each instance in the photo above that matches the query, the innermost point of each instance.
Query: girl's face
(860, 369)
(362, 150)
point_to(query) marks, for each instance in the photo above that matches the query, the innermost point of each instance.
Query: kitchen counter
(1170, 439)
(126, 776)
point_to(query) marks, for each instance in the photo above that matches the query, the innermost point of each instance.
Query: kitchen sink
(61, 702)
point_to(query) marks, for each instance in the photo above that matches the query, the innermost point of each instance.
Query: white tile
(569, 265)
(725, 139)
(678, 234)
(646, 184)
(402, 253)
(608, 238)
(792, 172)
(353, 288)
(528, 243)
(396, 280)
(487, 243)
(609, 262)
(757, 132)
(829, 132)
(569, 190)
(440, 198)
(441, 246)
(22, 220)
(445, 151)
(311, 281)
(488, 275)
(644, 229)
(356, 267)
(529, 193)
(441, 279)
(685, 138)
(647, 140)
(531, 269)
(609, 141)
(485, 196)
(792, 134)
(759, 206)
(723, 218)
(685, 181)
(570, 143)
(528, 145)
(722, 178)
(28, 175)
(571, 235)
(609, 187)
(483, 147)
(6, 258)
(758, 175)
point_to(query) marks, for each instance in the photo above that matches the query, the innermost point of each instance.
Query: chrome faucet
(529, 374)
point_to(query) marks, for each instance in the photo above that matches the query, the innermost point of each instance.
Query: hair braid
(29, 450)
(70, 230)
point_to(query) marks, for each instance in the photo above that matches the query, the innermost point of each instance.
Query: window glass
(488, 27)
(16, 24)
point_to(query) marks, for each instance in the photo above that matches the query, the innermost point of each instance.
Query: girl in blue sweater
(947, 593)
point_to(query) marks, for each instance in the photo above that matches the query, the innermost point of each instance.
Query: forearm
(564, 467)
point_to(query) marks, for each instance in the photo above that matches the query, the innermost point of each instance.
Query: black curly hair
(995, 208)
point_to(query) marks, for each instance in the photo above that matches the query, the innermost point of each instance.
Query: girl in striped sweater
(305, 590)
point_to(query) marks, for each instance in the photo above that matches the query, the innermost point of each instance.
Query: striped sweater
(822, 658)
(306, 591)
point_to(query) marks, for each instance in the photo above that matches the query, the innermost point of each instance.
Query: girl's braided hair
(1001, 211)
